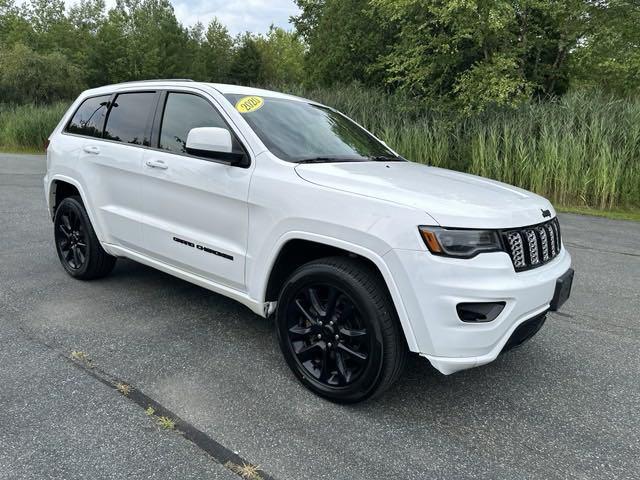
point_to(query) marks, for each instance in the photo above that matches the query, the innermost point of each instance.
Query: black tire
(77, 245)
(370, 352)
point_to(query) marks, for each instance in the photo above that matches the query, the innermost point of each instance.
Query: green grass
(166, 423)
(581, 151)
(631, 215)
(25, 128)
(22, 150)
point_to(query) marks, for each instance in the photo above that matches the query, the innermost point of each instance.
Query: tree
(50, 26)
(217, 52)
(85, 18)
(306, 23)
(282, 57)
(345, 38)
(109, 61)
(467, 54)
(246, 67)
(27, 76)
(14, 27)
(87, 15)
(140, 39)
(481, 52)
(608, 54)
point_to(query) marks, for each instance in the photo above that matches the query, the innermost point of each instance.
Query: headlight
(460, 243)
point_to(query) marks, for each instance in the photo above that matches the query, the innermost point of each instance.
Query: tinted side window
(183, 112)
(89, 118)
(129, 118)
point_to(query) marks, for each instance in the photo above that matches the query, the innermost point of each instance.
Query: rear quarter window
(89, 117)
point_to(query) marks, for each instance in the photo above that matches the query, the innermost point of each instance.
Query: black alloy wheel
(327, 334)
(71, 238)
(76, 242)
(338, 329)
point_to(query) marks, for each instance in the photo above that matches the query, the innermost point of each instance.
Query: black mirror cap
(230, 158)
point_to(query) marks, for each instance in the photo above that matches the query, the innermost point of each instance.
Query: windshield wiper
(329, 160)
(384, 158)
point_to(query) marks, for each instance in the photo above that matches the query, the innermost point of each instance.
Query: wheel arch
(298, 248)
(69, 186)
(59, 189)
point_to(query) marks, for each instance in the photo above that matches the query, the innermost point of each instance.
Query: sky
(239, 16)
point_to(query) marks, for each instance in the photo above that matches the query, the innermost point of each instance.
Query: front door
(195, 210)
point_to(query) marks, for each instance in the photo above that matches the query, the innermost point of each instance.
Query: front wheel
(338, 330)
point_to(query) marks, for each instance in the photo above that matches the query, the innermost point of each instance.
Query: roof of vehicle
(220, 87)
(240, 90)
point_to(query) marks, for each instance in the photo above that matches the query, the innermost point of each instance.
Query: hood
(451, 198)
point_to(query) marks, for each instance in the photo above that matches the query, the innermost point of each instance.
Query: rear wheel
(338, 330)
(77, 245)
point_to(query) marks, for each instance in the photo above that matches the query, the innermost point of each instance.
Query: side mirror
(214, 143)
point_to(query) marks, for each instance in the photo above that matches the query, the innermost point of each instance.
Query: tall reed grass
(582, 150)
(26, 127)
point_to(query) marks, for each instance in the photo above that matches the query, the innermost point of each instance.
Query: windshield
(299, 131)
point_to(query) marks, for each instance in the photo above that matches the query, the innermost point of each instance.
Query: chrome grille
(516, 249)
(542, 233)
(552, 240)
(531, 247)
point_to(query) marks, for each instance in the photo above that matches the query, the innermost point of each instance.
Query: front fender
(376, 258)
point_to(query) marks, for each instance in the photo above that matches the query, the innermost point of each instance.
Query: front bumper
(431, 287)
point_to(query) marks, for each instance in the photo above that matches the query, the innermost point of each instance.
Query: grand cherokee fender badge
(202, 248)
(545, 213)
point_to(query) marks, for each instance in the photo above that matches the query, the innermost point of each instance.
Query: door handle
(156, 164)
(92, 149)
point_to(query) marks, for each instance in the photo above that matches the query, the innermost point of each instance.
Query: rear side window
(184, 111)
(89, 118)
(129, 118)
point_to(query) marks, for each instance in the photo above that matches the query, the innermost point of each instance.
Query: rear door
(195, 212)
(111, 163)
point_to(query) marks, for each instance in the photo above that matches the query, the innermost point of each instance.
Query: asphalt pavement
(564, 405)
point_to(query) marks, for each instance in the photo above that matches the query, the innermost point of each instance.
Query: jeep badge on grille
(545, 213)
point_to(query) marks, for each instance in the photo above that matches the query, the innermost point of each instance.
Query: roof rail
(161, 80)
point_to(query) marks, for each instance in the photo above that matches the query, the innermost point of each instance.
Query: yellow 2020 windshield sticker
(249, 104)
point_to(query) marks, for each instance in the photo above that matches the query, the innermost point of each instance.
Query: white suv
(296, 211)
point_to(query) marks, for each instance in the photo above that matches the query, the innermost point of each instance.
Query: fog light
(479, 312)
